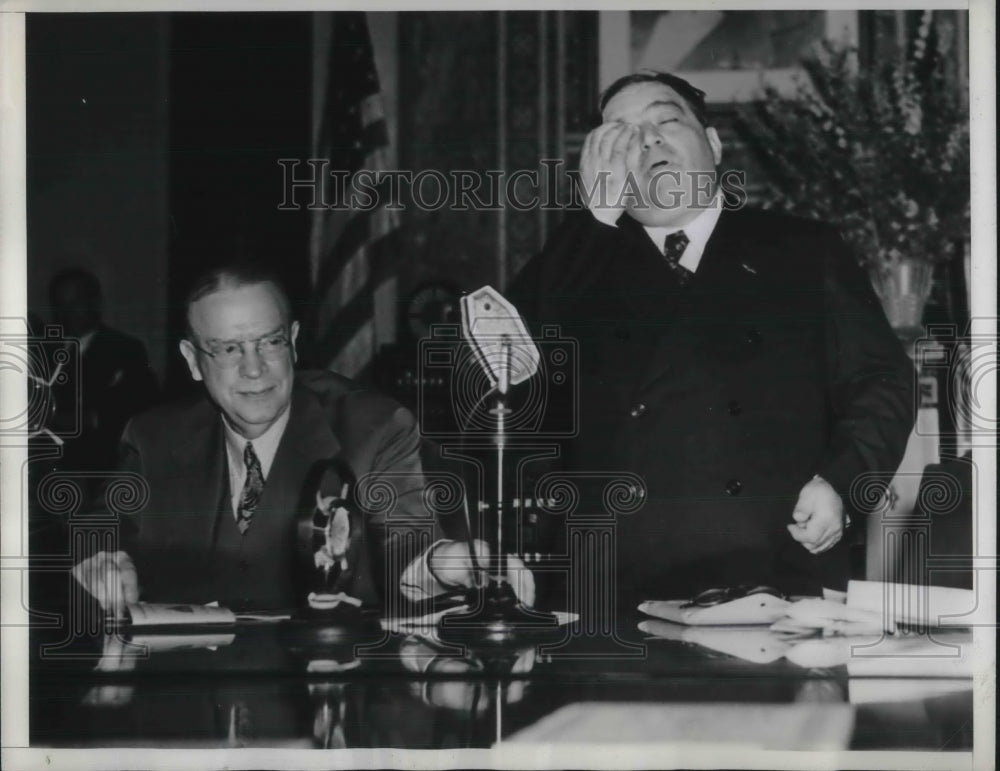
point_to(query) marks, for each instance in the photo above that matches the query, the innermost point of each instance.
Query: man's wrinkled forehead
(635, 101)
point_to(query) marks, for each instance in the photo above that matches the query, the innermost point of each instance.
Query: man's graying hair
(233, 277)
(694, 97)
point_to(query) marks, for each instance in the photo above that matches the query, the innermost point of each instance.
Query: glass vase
(903, 287)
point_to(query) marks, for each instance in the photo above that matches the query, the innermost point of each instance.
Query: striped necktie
(673, 250)
(252, 488)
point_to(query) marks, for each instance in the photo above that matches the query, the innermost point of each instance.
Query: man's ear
(191, 357)
(715, 143)
(294, 336)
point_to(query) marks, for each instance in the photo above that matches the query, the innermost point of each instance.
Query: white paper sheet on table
(937, 606)
(753, 609)
(833, 617)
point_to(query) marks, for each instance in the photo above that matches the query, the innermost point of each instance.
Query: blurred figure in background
(114, 382)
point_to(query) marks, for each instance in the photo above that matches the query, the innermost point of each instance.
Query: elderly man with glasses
(230, 474)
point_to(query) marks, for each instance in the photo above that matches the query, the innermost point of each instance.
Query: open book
(150, 614)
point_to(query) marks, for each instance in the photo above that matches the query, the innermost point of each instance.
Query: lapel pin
(747, 268)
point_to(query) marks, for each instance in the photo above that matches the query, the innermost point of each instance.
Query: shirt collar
(86, 340)
(265, 446)
(698, 231)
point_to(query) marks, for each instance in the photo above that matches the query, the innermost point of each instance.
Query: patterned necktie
(252, 488)
(673, 249)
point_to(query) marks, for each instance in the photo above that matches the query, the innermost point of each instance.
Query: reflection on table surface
(320, 686)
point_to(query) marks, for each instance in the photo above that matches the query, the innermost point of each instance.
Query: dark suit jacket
(115, 382)
(185, 542)
(775, 363)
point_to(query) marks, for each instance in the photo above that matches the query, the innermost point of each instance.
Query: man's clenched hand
(819, 517)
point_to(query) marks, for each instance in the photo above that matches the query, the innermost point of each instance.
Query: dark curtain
(239, 101)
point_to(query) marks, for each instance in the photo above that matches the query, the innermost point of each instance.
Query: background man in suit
(115, 379)
(738, 361)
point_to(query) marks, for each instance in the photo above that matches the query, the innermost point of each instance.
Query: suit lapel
(644, 253)
(707, 298)
(308, 438)
(202, 469)
(202, 475)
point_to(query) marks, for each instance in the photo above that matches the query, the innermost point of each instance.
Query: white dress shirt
(698, 231)
(417, 582)
(86, 339)
(265, 447)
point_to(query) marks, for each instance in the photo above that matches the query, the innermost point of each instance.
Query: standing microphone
(500, 342)
(499, 339)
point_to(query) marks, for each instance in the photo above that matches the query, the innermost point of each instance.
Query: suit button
(734, 407)
(637, 410)
(753, 336)
(733, 487)
(244, 565)
(622, 334)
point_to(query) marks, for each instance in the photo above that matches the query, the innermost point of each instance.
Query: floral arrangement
(882, 153)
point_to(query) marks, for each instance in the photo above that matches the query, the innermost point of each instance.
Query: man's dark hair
(82, 278)
(232, 277)
(694, 97)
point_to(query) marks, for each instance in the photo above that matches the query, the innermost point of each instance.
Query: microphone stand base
(496, 618)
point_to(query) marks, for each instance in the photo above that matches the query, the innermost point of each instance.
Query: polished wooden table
(314, 685)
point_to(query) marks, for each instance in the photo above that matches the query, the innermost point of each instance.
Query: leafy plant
(880, 152)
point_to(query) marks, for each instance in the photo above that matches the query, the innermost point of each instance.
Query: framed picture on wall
(730, 55)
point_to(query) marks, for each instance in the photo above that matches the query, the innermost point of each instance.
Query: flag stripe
(354, 249)
(360, 306)
(349, 319)
(352, 358)
(370, 263)
(350, 152)
(360, 227)
(353, 278)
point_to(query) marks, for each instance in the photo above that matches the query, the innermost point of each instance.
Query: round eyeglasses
(710, 597)
(229, 353)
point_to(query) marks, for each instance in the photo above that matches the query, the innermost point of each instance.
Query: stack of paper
(875, 630)
(928, 606)
(872, 607)
(752, 609)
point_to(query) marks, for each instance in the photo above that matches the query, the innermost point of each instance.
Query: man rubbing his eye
(737, 361)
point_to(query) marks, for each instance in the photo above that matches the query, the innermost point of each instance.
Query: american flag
(351, 249)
